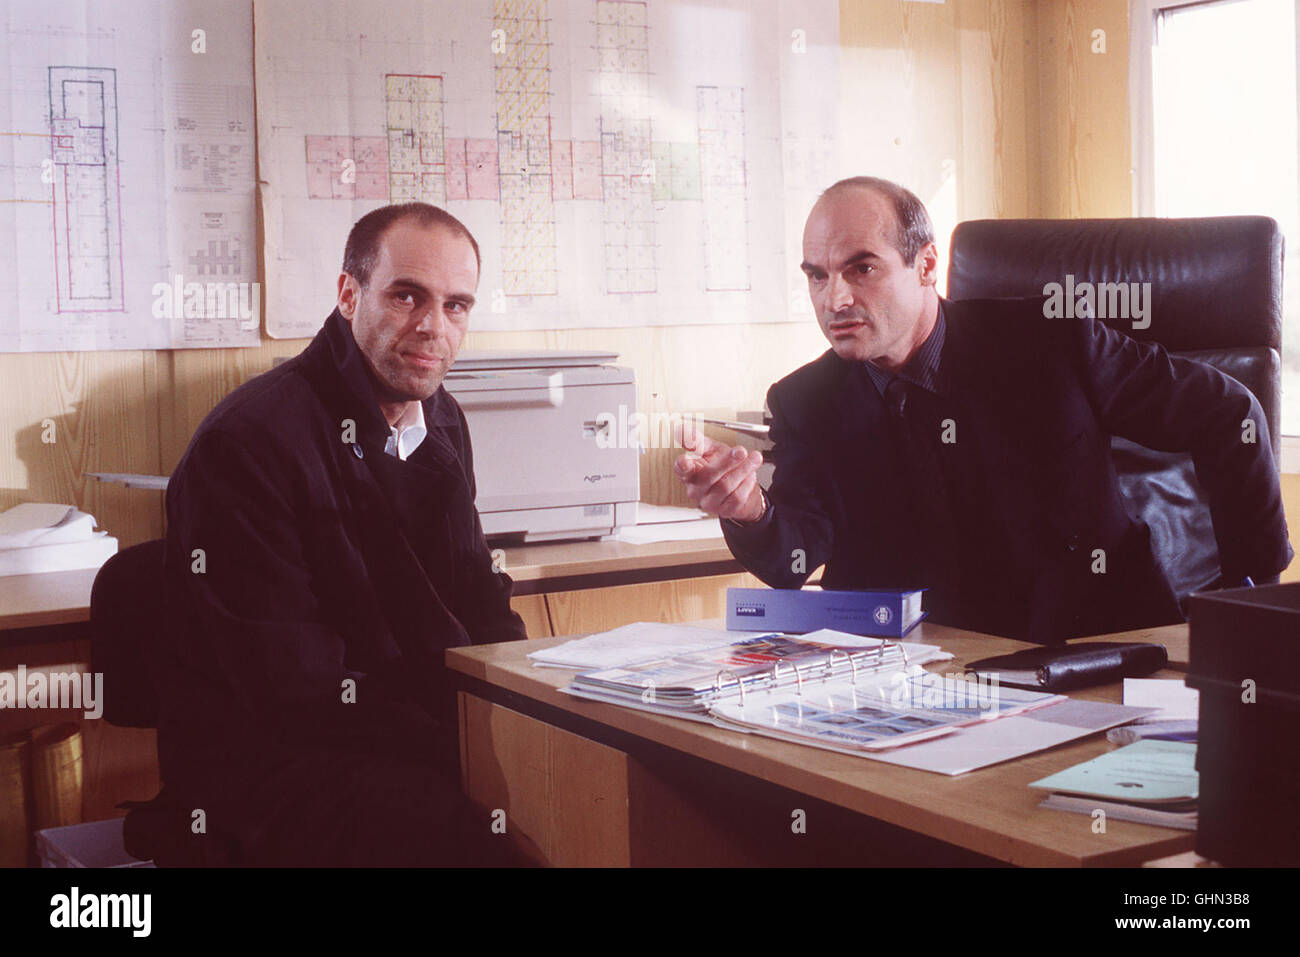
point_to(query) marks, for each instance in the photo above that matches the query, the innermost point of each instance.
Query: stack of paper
(1175, 721)
(36, 537)
(1151, 782)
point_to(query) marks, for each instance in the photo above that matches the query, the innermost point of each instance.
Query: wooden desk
(47, 601)
(52, 598)
(595, 784)
(48, 609)
(566, 566)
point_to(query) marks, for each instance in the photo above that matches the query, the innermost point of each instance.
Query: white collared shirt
(405, 437)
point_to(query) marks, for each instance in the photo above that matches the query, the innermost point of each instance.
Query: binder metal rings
(717, 684)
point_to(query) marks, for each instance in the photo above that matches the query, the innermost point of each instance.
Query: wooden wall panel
(1084, 151)
(995, 50)
(933, 97)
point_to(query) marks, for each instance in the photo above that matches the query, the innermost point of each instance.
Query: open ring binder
(852, 700)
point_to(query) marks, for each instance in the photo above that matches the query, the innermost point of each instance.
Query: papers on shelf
(666, 523)
(39, 537)
(36, 523)
(694, 531)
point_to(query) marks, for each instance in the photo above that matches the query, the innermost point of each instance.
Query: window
(1215, 129)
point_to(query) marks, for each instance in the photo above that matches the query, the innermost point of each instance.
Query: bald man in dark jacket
(321, 557)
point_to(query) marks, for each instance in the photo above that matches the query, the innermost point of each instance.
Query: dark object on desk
(1215, 285)
(1064, 668)
(1244, 659)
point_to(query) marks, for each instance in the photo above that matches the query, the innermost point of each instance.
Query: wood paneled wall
(1083, 149)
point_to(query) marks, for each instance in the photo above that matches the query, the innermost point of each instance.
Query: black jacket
(1034, 402)
(333, 578)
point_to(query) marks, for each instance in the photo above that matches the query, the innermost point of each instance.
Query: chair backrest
(1215, 295)
(126, 616)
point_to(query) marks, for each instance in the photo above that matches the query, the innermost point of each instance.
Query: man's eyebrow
(403, 282)
(861, 256)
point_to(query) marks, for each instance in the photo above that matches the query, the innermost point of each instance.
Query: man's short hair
(914, 230)
(362, 249)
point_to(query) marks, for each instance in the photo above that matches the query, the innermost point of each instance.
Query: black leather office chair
(128, 623)
(1216, 296)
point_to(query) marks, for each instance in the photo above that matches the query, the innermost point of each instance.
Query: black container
(1244, 642)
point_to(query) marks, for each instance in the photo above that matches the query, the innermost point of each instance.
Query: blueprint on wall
(127, 174)
(621, 162)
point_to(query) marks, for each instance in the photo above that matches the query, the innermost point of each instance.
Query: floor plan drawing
(620, 162)
(127, 175)
(87, 193)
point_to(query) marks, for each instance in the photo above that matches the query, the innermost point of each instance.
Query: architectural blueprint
(127, 175)
(621, 162)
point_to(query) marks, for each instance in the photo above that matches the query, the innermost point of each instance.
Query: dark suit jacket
(324, 561)
(1036, 401)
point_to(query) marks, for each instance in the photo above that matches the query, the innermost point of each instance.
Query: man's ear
(927, 264)
(348, 294)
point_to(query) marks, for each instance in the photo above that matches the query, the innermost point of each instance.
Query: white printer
(549, 460)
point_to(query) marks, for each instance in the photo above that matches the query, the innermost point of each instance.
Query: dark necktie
(919, 434)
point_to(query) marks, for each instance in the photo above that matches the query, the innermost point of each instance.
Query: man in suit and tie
(965, 446)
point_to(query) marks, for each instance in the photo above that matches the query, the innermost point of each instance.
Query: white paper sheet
(1004, 739)
(38, 523)
(639, 641)
(1176, 701)
(698, 530)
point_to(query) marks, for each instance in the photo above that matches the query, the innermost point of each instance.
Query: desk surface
(62, 598)
(550, 562)
(51, 598)
(991, 811)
